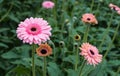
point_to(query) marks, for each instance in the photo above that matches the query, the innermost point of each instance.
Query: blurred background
(65, 20)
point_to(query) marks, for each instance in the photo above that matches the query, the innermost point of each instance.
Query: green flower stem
(82, 66)
(62, 20)
(44, 68)
(53, 49)
(106, 32)
(7, 12)
(62, 28)
(54, 10)
(76, 64)
(92, 4)
(33, 60)
(97, 9)
(117, 71)
(63, 52)
(86, 33)
(110, 44)
(84, 40)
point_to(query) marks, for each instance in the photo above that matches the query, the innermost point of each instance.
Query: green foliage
(53, 69)
(65, 20)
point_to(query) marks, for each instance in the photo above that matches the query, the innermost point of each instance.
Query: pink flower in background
(90, 54)
(114, 7)
(34, 31)
(48, 4)
(118, 11)
(89, 18)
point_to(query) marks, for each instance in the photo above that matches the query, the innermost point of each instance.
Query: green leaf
(70, 58)
(99, 70)
(5, 39)
(19, 71)
(52, 22)
(114, 62)
(24, 61)
(3, 45)
(1, 1)
(87, 69)
(53, 69)
(71, 72)
(9, 55)
(4, 29)
(38, 62)
(13, 17)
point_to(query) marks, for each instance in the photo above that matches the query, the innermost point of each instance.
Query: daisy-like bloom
(48, 4)
(44, 50)
(89, 18)
(34, 31)
(91, 54)
(114, 7)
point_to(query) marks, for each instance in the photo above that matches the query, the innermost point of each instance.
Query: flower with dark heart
(44, 50)
(90, 54)
(115, 8)
(89, 18)
(77, 37)
(34, 30)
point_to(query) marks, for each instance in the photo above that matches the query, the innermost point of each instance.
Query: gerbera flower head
(34, 31)
(48, 4)
(90, 54)
(89, 18)
(44, 50)
(115, 8)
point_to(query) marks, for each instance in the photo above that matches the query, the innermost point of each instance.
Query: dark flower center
(33, 29)
(43, 51)
(76, 37)
(92, 52)
(114, 8)
(88, 19)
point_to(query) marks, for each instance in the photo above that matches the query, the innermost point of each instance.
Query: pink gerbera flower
(34, 30)
(48, 4)
(89, 18)
(90, 54)
(114, 7)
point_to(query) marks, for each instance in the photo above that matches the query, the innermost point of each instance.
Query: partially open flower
(76, 45)
(91, 54)
(114, 7)
(66, 21)
(77, 37)
(61, 44)
(44, 50)
(89, 18)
